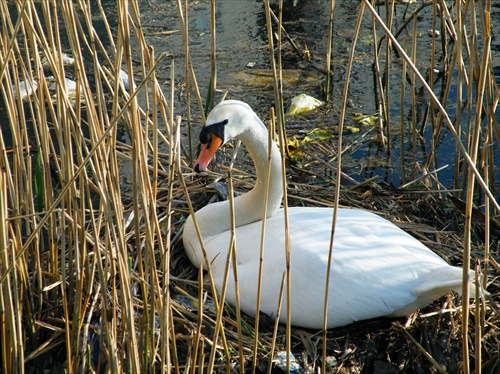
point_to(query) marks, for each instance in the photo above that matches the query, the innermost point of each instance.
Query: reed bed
(93, 276)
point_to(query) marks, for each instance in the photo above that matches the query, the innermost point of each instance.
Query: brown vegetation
(93, 276)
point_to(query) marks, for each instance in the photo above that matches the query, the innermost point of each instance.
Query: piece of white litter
(67, 59)
(124, 79)
(303, 104)
(71, 87)
(280, 360)
(26, 89)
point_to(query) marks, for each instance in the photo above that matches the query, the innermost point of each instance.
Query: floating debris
(70, 85)
(71, 88)
(366, 119)
(303, 104)
(295, 142)
(67, 60)
(26, 89)
(379, 139)
(435, 33)
(125, 80)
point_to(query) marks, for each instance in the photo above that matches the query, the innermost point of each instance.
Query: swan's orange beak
(207, 153)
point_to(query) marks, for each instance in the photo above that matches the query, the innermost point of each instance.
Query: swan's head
(226, 121)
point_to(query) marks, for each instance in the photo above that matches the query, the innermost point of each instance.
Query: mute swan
(377, 269)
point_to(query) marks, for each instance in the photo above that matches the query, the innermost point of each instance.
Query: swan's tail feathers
(438, 283)
(450, 279)
(483, 294)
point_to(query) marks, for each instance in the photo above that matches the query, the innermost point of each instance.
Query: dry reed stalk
(184, 31)
(402, 121)
(213, 63)
(276, 323)
(278, 99)
(233, 260)
(380, 91)
(339, 174)
(388, 51)
(231, 264)
(413, 100)
(270, 140)
(430, 108)
(284, 152)
(218, 306)
(275, 70)
(12, 351)
(185, 12)
(328, 67)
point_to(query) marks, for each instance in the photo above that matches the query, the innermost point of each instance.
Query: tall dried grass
(88, 270)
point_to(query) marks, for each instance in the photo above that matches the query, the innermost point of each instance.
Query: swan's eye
(217, 129)
(204, 135)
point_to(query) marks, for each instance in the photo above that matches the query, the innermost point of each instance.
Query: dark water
(242, 37)
(242, 40)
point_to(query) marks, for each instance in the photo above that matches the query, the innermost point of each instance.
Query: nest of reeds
(420, 343)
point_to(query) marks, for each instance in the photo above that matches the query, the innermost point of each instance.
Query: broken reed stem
(423, 351)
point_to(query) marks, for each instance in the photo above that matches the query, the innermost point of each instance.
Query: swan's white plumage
(377, 269)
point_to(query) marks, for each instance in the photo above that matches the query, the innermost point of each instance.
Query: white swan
(377, 269)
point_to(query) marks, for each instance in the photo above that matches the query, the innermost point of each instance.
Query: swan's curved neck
(249, 207)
